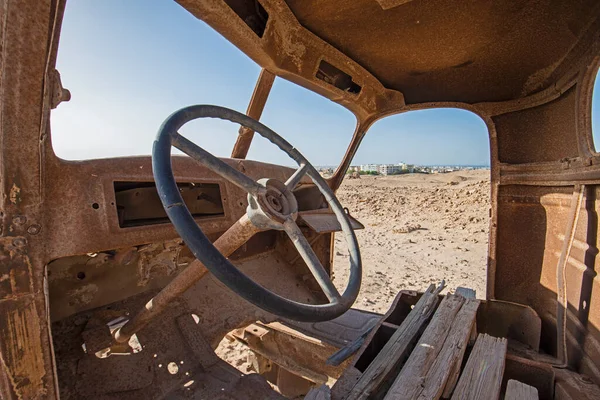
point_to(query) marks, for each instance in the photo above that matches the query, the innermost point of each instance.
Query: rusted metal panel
(550, 132)
(26, 63)
(51, 204)
(115, 374)
(387, 4)
(22, 348)
(255, 109)
(326, 222)
(510, 320)
(277, 52)
(538, 374)
(230, 241)
(16, 274)
(304, 356)
(341, 330)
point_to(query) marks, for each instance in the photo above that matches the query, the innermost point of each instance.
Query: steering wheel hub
(271, 207)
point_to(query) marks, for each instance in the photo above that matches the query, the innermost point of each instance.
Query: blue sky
(129, 64)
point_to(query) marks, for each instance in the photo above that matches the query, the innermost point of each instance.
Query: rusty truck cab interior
(119, 277)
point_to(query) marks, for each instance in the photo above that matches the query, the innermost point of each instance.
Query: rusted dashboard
(86, 199)
(109, 236)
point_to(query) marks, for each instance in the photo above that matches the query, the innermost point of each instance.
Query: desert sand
(419, 229)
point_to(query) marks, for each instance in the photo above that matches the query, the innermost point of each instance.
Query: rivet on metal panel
(19, 243)
(34, 229)
(19, 219)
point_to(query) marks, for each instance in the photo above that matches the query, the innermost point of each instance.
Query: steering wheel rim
(201, 246)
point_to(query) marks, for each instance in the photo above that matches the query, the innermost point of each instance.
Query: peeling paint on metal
(15, 194)
(23, 359)
(83, 295)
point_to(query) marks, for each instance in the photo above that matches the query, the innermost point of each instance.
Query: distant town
(401, 168)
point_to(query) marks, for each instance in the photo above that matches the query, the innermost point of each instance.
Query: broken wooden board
(516, 390)
(482, 376)
(319, 393)
(443, 375)
(397, 349)
(441, 348)
(466, 292)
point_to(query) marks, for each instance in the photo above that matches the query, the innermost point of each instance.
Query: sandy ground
(419, 229)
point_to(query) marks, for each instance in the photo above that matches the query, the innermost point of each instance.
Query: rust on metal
(238, 234)
(255, 109)
(526, 68)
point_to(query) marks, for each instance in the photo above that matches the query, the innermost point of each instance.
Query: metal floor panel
(341, 330)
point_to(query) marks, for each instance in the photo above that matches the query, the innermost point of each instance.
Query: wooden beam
(516, 390)
(412, 380)
(255, 109)
(482, 376)
(390, 359)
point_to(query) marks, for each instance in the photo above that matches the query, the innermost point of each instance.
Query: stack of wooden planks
(434, 365)
(390, 359)
(482, 375)
(516, 390)
(424, 358)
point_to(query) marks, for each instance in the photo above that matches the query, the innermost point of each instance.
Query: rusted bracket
(255, 109)
(59, 93)
(267, 342)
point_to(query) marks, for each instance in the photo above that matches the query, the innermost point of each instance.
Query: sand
(419, 229)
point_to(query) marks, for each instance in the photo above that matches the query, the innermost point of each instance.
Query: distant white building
(369, 167)
(389, 169)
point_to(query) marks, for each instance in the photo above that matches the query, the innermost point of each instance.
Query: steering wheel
(271, 205)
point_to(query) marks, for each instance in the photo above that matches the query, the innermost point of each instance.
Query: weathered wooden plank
(482, 376)
(444, 372)
(397, 349)
(322, 392)
(412, 377)
(466, 292)
(516, 390)
(455, 372)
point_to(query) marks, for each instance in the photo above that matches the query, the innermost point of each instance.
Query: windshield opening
(127, 71)
(420, 183)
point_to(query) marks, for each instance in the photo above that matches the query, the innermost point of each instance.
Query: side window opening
(127, 74)
(596, 113)
(420, 183)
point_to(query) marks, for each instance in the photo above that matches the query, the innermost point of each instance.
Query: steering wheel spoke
(215, 164)
(311, 260)
(296, 177)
